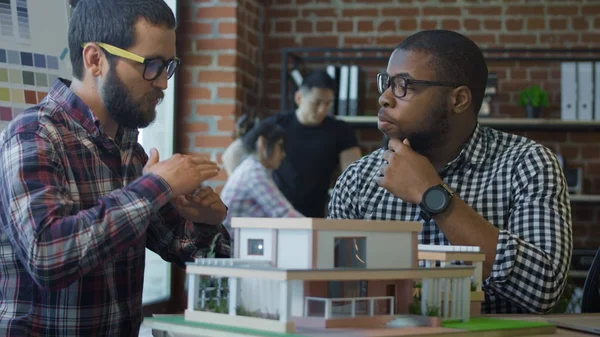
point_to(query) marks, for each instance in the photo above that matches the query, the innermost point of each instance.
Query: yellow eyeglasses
(153, 67)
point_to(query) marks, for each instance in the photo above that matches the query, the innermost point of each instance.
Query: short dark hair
(267, 128)
(244, 124)
(454, 57)
(318, 79)
(112, 22)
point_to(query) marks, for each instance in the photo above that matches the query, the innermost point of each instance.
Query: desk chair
(590, 302)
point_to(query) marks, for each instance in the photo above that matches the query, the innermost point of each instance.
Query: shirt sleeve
(344, 202)
(178, 240)
(346, 137)
(264, 191)
(534, 253)
(54, 242)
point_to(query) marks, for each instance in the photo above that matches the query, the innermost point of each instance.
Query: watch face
(435, 200)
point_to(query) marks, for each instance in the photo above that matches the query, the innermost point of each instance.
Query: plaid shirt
(76, 216)
(251, 192)
(515, 184)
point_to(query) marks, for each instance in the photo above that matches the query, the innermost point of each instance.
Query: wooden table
(559, 333)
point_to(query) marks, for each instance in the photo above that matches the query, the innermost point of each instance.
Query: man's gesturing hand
(183, 172)
(203, 206)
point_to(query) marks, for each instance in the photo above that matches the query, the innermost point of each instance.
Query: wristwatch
(435, 200)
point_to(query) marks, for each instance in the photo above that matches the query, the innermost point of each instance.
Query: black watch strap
(425, 215)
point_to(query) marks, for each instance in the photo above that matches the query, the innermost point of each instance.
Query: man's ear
(261, 147)
(93, 59)
(261, 143)
(461, 99)
(298, 97)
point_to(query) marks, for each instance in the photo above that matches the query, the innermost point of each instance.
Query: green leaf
(534, 96)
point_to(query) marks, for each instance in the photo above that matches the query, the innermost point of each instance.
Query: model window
(256, 247)
(350, 252)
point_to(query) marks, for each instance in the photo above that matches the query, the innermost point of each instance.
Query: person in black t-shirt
(316, 144)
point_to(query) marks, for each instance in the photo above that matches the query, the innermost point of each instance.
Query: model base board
(476, 327)
(287, 276)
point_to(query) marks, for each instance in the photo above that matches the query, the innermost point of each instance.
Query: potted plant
(433, 313)
(533, 98)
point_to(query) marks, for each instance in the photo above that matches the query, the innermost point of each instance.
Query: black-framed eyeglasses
(153, 67)
(400, 83)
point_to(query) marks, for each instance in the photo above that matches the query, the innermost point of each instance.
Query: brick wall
(220, 43)
(251, 16)
(383, 23)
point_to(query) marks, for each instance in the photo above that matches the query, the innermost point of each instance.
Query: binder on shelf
(353, 91)
(585, 91)
(297, 78)
(490, 91)
(343, 94)
(332, 71)
(568, 90)
(597, 91)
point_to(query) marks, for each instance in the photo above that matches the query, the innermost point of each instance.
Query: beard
(123, 108)
(430, 134)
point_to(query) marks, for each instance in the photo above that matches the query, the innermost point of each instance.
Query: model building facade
(328, 244)
(327, 273)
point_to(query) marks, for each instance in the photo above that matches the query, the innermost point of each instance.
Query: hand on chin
(405, 173)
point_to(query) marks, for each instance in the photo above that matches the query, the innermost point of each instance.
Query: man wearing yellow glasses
(81, 201)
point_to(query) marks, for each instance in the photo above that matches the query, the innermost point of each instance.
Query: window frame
(260, 242)
(175, 300)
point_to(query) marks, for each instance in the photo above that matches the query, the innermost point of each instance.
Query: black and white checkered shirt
(514, 183)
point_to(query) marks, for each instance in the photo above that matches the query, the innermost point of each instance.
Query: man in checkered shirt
(501, 192)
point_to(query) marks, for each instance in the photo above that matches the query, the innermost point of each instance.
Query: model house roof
(349, 225)
(253, 269)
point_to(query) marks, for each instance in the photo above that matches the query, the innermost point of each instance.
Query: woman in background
(250, 190)
(235, 154)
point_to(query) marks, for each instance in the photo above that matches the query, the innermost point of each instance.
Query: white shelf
(578, 274)
(358, 119)
(585, 197)
(507, 123)
(537, 122)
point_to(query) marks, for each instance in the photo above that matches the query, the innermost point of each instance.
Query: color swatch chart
(8, 26)
(24, 80)
(23, 18)
(6, 21)
(33, 54)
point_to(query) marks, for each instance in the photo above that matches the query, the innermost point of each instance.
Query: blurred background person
(250, 191)
(236, 153)
(317, 145)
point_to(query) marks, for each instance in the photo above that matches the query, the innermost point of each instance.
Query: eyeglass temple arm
(119, 52)
(445, 84)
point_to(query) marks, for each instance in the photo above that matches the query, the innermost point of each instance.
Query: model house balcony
(348, 307)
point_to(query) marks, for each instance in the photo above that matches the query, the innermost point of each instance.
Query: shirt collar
(61, 93)
(256, 163)
(473, 152)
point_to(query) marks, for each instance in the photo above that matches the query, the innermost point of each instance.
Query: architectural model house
(338, 278)
(297, 273)
(433, 255)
